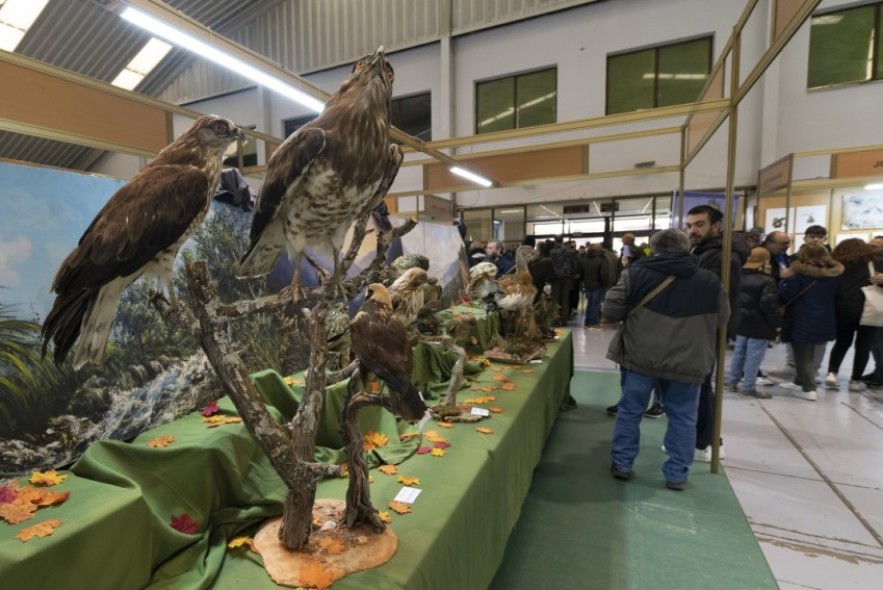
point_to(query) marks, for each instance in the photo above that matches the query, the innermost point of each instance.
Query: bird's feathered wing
(380, 342)
(286, 170)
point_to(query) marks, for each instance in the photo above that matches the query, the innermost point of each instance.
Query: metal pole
(727, 252)
(681, 176)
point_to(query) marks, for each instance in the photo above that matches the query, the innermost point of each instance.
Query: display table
(116, 532)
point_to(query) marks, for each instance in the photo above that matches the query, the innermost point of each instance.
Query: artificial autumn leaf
(7, 494)
(442, 444)
(495, 409)
(509, 386)
(423, 450)
(408, 436)
(485, 430)
(215, 421)
(344, 470)
(373, 440)
(315, 575)
(18, 511)
(46, 478)
(399, 507)
(388, 469)
(445, 424)
(384, 516)
(500, 378)
(242, 542)
(476, 401)
(41, 529)
(183, 523)
(49, 498)
(332, 545)
(527, 371)
(161, 442)
(290, 381)
(375, 386)
(210, 409)
(437, 452)
(498, 369)
(407, 480)
(434, 437)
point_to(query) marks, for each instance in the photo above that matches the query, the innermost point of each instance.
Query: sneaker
(704, 455)
(791, 386)
(734, 387)
(856, 385)
(809, 396)
(612, 410)
(677, 486)
(655, 411)
(755, 394)
(764, 381)
(831, 380)
(785, 371)
(872, 381)
(619, 474)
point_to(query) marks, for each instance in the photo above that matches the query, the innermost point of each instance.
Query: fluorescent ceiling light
(142, 64)
(877, 186)
(16, 17)
(180, 38)
(827, 19)
(477, 179)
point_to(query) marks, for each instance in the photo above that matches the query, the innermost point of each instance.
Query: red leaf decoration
(7, 495)
(210, 408)
(185, 524)
(423, 450)
(442, 444)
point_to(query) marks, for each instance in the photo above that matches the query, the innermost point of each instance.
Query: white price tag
(407, 495)
(536, 362)
(480, 412)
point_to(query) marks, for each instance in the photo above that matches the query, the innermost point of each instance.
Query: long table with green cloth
(116, 532)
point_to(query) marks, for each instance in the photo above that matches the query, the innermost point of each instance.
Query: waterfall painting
(862, 210)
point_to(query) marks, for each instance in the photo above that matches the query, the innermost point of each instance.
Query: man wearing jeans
(594, 274)
(667, 342)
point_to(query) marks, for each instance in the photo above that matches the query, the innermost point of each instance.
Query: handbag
(616, 343)
(785, 305)
(872, 313)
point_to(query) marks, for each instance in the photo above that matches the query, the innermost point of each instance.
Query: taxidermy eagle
(380, 343)
(138, 232)
(330, 172)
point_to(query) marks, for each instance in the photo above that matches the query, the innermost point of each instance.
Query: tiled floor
(809, 475)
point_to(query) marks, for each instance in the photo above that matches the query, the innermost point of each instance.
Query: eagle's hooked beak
(240, 134)
(378, 56)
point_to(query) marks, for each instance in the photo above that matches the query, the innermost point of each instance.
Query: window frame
(875, 60)
(656, 49)
(514, 80)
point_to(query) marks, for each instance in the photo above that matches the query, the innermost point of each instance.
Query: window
(413, 115)
(518, 101)
(292, 125)
(657, 77)
(845, 47)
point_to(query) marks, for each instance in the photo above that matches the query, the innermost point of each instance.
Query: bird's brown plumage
(380, 343)
(138, 231)
(331, 171)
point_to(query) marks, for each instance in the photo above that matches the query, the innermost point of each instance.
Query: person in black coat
(854, 254)
(759, 302)
(809, 322)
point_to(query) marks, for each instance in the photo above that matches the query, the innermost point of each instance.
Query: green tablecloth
(116, 534)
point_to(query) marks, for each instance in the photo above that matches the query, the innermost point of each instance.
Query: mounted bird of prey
(137, 232)
(330, 172)
(380, 343)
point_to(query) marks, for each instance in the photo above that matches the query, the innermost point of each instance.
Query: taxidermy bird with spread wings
(330, 172)
(138, 232)
(380, 342)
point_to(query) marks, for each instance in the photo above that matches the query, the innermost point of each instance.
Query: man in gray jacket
(668, 342)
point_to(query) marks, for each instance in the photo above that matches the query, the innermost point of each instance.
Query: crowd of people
(669, 305)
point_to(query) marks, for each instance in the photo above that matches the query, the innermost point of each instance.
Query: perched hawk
(139, 231)
(332, 171)
(380, 343)
(407, 294)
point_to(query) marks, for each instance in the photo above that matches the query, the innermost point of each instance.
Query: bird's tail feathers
(64, 321)
(264, 251)
(89, 313)
(407, 403)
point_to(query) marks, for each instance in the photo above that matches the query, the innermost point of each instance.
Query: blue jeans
(747, 356)
(594, 297)
(681, 402)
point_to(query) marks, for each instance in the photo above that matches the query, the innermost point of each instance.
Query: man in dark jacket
(778, 242)
(563, 261)
(694, 305)
(704, 224)
(594, 274)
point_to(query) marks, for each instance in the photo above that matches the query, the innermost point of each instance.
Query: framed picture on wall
(774, 219)
(808, 216)
(862, 210)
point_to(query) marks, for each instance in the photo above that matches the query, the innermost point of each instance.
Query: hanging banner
(776, 176)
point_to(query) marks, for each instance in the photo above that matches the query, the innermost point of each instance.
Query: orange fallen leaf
(437, 452)
(487, 388)
(480, 400)
(527, 371)
(344, 470)
(408, 436)
(388, 469)
(445, 424)
(46, 478)
(498, 369)
(242, 542)
(375, 386)
(372, 440)
(485, 430)
(315, 575)
(495, 409)
(407, 480)
(215, 421)
(399, 507)
(161, 442)
(18, 511)
(500, 378)
(49, 498)
(434, 437)
(508, 386)
(384, 516)
(332, 545)
(292, 381)
(41, 529)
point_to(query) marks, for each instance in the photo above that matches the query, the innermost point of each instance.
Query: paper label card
(407, 495)
(481, 412)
